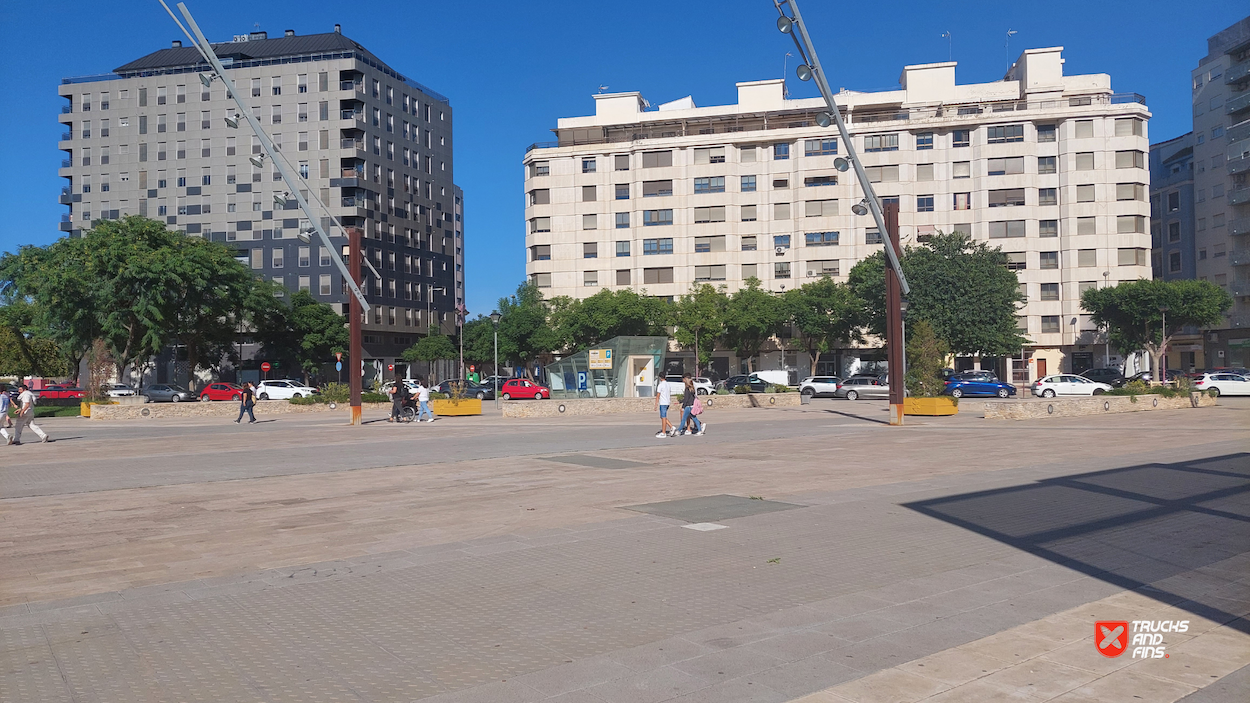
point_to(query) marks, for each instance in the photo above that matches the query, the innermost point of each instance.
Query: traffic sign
(265, 367)
(390, 367)
(338, 366)
(338, 356)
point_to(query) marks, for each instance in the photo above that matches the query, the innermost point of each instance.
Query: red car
(522, 388)
(221, 391)
(62, 393)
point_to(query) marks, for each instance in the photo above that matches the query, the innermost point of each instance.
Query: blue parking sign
(581, 380)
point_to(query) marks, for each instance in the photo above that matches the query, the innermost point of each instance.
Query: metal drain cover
(711, 508)
(595, 462)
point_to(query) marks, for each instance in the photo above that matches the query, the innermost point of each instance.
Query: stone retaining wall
(612, 406)
(215, 409)
(1096, 405)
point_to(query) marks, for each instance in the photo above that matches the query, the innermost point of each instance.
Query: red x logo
(1111, 637)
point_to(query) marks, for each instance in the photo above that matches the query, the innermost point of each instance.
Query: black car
(733, 382)
(470, 389)
(1111, 377)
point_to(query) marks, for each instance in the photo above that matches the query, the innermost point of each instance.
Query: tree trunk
(696, 354)
(193, 362)
(815, 359)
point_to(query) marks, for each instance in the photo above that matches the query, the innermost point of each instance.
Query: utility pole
(895, 354)
(355, 353)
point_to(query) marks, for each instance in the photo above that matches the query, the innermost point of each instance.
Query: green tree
(699, 318)
(582, 323)
(824, 313)
(1132, 315)
(21, 355)
(479, 341)
(926, 359)
(524, 332)
(48, 294)
(961, 287)
(435, 347)
(752, 316)
(305, 334)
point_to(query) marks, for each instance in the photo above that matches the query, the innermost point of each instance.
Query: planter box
(464, 406)
(929, 406)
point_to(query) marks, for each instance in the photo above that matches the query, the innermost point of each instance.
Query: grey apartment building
(1172, 208)
(372, 144)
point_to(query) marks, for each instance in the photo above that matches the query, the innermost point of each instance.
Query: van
(776, 377)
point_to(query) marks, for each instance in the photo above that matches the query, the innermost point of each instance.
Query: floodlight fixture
(233, 121)
(824, 119)
(207, 79)
(842, 163)
(784, 24)
(860, 208)
(281, 200)
(803, 71)
(258, 160)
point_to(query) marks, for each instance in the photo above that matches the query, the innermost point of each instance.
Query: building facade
(1050, 167)
(1172, 208)
(373, 145)
(1221, 108)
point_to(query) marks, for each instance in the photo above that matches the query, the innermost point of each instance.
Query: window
(781, 211)
(1007, 197)
(1086, 258)
(1048, 228)
(590, 278)
(924, 172)
(748, 213)
(962, 201)
(589, 165)
(653, 218)
(823, 268)
(652, 189)
(748, 184)
(1047, 196)
(820, 147)
(821, 239)
(1174, 232)
(622, 220)
(1046, 164)
(540, 252)
(881, 174)
(816, 181)
(540, 224)
(748, 271)
(541, 280)
(540, 196)
(589, 194)
(1085, 193)
(924, 203)
(1009, 228)
(1174, 261)
(652, 247)
(590, 221)
(709, 214)
(1050, 324)
(1084, 129)
(961, 169)
(1131, 257)
(657, 275)
(1128, 127)
(746, 154)
(622, 277)
(1045, 133)
(709, 273)
(539, 168)
(1002, 134)
(1174, 199)
(924, 140)
(704, 245)
(1050, 291)
(781, 183)
(1005, 166)
(961, 137)
(621, 162)
(1130, 159)
(714, 184)
(657, 159)
(710, 155)
(1125, 224)
(622, 248)
(1137, 191)
(1085, 161)
(881, 142)
(1016, 261)
(1086, 225)
(622, 191)
(781, 151)
(872, 236)
(781, 241)
(820, 208)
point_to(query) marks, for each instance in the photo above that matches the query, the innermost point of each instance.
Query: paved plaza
(810, 553)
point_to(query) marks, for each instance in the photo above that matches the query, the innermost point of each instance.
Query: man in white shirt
(423, 400)
(663, 397)
(26, 416)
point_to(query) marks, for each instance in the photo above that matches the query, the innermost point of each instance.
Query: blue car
(977, 383)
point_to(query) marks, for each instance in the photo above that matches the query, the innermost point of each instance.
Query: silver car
(862, 387)
(162, 392)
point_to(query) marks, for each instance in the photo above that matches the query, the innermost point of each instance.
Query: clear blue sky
(512, 68)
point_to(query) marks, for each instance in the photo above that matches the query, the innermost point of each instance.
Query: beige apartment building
(374, 145)
(1052, 168)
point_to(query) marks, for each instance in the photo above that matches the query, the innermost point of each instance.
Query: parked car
(732, 382)
(12, 390)
(820, 386)
(221, 391)
(283, 389)
(776, 377)
(471, 390)
(703, 385)
(977, 383)
(61, 392)
(490, 381)
(1067, 384)
(858, 387)
(1224, 383)
(1238, 370)
(1145, 377)
(523, 388)
(385, 388)
(119, 390)
(1108, 376)
(165, 392)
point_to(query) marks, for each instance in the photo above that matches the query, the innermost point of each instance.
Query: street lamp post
(494, 319)
(1163, 346)
(1106, 342)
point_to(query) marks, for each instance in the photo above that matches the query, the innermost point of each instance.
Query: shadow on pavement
(1150, 527)
(853, 416)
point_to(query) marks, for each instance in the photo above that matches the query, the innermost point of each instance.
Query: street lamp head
(860, 208)
(784, 24)
(207, 79)
(1163, 308)
(258, 160)
(494, 318)
(823, 119)
(233, 121)
(281, 200)
(803, 71)
(902, 306)
(841, 163)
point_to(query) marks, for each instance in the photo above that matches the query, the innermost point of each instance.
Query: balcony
(357, 144)
(357, 86)
(350, 201)
(1239, 288)
(1240, 321)
(67, 109)
(1237, 73)
(353, 173)
(1239, 257)
(1238, 131)
(1239, 226)
(357, 115)
(66, 136)
(1241, 196)
(1241, 165)
(66, 197)
(1238, 104)
(66, 163)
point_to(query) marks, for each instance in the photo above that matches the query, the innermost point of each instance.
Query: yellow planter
(929, 406)
(85, 409)
(464, 406)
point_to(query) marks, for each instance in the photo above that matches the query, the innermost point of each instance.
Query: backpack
(697, 408)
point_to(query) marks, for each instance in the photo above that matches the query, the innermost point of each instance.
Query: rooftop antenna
(950, 45)
(785, 65)
(602, 88)
(1007, 46)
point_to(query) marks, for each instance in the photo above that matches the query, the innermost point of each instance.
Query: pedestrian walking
(664, 397)
(688, 414)
(26, 416)
(247, 401)
(399, 393)
(6, 403)
(423, 401)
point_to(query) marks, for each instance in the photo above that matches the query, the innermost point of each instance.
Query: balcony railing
(1237, 132)
(1240, 225)
(353, 173)
(351, 115)
(1239, 321)
(67, 109)
(66, 136)
(1239, 288)
(1239, 257)
(355, 202)
(1238, 104)
(1240, 196)
(357, 86)
(66, 163)
(1237, 72)
(1241, 165)
(358, 144)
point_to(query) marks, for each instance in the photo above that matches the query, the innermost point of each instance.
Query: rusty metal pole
(894, 322)
(355, 354)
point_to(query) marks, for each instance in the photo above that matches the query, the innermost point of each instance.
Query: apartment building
(1172, 208)
(375, 146)
(1052, 168)
(1221, 104)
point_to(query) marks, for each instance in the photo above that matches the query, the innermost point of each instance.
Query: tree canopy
(699, 319)
(607, 314)
(823, 313)
(752, 316)
(305, 334)
(524, 332)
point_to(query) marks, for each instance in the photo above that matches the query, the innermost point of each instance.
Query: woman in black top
(687, 408)
(247, 400)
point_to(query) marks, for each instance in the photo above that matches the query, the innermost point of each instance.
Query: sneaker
(16, 444)
(658, 435)
(46, 439)
(702, 429)
(236, 422)
(433, 419)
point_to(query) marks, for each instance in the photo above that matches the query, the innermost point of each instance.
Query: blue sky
(512, 68)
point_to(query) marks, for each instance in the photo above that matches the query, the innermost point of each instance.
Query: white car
(119, 390)
(282, 390)
(820, 386)
(703, 386)
(1223, 383)
(1067, 384)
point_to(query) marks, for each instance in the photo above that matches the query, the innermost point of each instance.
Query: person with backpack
(689, 401)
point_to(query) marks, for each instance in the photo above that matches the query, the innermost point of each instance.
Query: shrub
(926, 358)
(365, 397)
(773, 388)
(335, 392)
(742, 389)
(722, 391)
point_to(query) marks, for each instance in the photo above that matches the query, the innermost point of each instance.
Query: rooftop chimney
(176, 44)
(289, 33)
(338, 29)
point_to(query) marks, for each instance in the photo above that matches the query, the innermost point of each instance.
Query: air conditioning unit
(811, 274)
(780, 250)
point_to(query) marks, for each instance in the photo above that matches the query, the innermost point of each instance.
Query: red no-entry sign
(265, 367)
